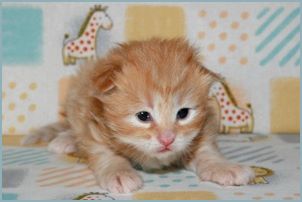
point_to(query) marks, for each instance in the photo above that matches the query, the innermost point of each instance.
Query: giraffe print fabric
(230, 114)
(85, 45)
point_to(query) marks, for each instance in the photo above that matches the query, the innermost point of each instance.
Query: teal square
(9, 196)
(22, 35)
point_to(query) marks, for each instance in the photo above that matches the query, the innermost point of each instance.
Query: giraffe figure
(84, 47)
(231, 116)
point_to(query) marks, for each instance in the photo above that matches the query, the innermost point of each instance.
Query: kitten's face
(159, 101)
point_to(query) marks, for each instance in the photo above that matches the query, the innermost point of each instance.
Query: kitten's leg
(64, 143)
(46, 133)
(210, 165)
(113, 172)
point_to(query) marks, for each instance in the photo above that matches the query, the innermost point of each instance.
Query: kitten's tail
(46, 133)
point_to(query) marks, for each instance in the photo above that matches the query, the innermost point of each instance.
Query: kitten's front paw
(226, 173)
(121, 181)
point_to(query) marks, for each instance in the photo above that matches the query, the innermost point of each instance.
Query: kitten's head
(155, 95)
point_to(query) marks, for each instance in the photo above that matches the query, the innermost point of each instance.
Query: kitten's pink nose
(166, 138)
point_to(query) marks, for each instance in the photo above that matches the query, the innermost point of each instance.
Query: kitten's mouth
(164, 149)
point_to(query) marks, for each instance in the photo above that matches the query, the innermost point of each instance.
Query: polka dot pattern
(18, 106)
(213, 24)
(224, 36)
(211, 47)
(12, 85)
(23, 96)
(234, 25)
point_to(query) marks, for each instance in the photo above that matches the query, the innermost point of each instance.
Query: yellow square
(147, 21)
(178, 195)
(285, 105)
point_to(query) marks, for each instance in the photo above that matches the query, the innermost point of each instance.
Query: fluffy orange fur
(160, 77)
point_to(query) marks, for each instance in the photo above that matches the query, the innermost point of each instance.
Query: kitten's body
(160, 77)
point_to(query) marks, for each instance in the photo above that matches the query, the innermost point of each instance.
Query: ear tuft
(211, 76)
(104, 75)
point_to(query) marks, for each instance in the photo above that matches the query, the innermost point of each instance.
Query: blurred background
(254, 46)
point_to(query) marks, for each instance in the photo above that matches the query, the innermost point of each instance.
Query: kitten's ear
(210, 76)
(104, 75)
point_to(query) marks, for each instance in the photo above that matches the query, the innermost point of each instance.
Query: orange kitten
(145, 103)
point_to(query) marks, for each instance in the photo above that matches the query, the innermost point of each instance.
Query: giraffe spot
(244, 37)
(222, 94)
(32, 107)
(211, 47)
(223, 14)
(68, 47)
(226, 111)
(233, 111)
(85, 49)
(11, 130)
(222, 60)
(92, 30)
(230, 118)
(246, 117)
(223, 36)
(23, 96)
(87, 33)
(221, 99)
(243, 60)
(245, 15)
(238, 117)
(21, 118)
(33, 86)
(92, 37)
(202, 13)
(89, 42)
(242, 113)
(213, 24)
(234, 25)
(77, 47)
(11, 106)
(12, 85)
(243, 120)
(227, 103)
(91, 24)
(232, 47)
(201, 35)
(92, 48)
(81, 42)
(72, 43)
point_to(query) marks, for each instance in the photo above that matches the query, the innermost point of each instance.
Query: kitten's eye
(182, 113)
(144, 116)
